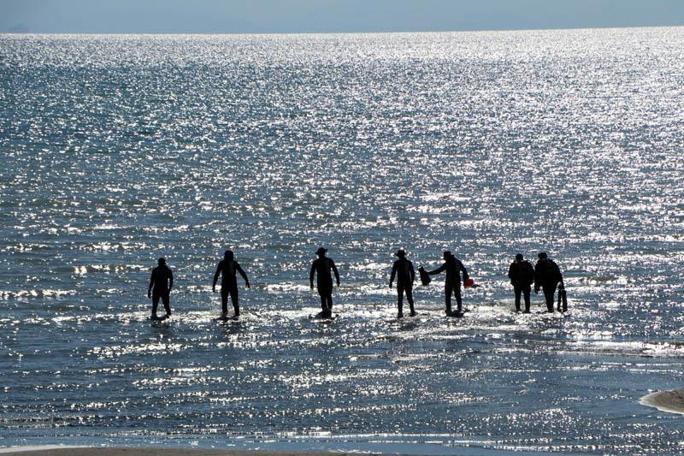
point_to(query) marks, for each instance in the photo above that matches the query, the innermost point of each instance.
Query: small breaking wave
(7, 295)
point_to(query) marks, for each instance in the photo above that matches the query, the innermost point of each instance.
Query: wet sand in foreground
(666, 401)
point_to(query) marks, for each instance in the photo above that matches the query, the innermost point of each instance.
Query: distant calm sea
(116, 150)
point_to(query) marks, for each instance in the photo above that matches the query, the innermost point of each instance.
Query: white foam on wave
(115, 351)
(24, 247)
(107, 268)
(443, 197)
(109, 227)
(366, 290)
(6, 295)
(370, 266)
(655, 349)
(287, 287)
(428, 209)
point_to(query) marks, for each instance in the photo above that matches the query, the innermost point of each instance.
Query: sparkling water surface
(116, 150)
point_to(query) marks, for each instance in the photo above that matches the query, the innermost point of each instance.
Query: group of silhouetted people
(405, 273)
(545, 275)
(161, 282)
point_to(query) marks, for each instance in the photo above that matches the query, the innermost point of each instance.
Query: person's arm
(170, 279)
(537, 271)
(438, 270)
(337, 274)
(149, 289)
(510, 272)
(531, 279)
(312, 272)
(393, 274)
(412, 273)
(216, 276)
(242, 273)
(465, 271)
(559, 275)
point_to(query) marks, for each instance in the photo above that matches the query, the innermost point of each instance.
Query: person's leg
(559, 300)
(234, 299)
(517, 290)
(526, 293)
(323, 292)
(459, 301)
(447, 297)
(409, 298)
(224, 301)
(400, 300)
(564, 299)
(326, 305)
(166, 299)
(155, 304)
(326, 297)
(549, 292)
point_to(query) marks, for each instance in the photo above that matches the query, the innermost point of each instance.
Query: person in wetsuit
(521, 274)
(406, 275)
(547, 276)
(452, 284)
(323, 268)
(227, 269)
(161, 283)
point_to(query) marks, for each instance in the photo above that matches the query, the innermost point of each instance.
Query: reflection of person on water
(521, 274)
(452, 284)
(161, 282)
(406, 275)
(323, 267)
(547, 276)
(227, 269)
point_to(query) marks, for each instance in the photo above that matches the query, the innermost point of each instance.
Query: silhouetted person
(227, 269)
(406, 275)
(452, 284)
(547, 276)
(323, 267)
(161, 283)
(521, 274)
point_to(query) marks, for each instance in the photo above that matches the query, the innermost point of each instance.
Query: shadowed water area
(117, 150)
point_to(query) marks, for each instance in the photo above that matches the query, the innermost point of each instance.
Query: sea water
(117, 150)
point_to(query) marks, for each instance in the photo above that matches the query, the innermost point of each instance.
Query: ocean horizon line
(373, 32)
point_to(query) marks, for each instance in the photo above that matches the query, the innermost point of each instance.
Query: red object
(470, 283)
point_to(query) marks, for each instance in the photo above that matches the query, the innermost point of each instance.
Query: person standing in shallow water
(227, 268)
(521, 274)
(406, 275)
(547, 276)
(452, 283)
(161, 283)
(323, 268)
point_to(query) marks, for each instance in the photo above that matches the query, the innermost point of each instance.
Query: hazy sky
(275, 16)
